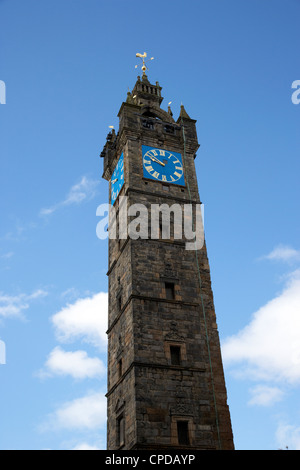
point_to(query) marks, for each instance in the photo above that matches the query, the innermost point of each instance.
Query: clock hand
(154, 159)
(113, 181)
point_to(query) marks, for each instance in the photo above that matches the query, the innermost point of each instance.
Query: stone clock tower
(166, 387)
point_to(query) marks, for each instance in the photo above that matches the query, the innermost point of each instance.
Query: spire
(183, 114)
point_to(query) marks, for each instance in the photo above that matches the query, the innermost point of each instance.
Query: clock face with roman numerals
(162, 165)
(117, 179)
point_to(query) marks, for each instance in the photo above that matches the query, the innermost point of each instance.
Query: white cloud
(82, 414)
(85, 319)
(14, 306)
(268, 347)
(85, 190)
(77, 364)
(264, 395)
(283, 253)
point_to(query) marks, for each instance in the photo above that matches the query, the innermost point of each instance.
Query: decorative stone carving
(173, 335)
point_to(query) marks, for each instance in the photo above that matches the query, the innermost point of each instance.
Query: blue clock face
(162, 165)
(117, 179)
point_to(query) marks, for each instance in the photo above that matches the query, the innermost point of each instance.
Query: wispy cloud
(283, 253)
(14, 306)
(85, 190)
(18, 233)
(71, 294)
(8, 255)
(288, 435)
(264, 395)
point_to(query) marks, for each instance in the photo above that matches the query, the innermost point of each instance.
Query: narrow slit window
(120, 368)
(183, 433)
(120, 431)
(119, 300)
(170, 290)
(175, 355)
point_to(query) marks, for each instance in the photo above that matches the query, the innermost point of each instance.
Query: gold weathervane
(143, 57)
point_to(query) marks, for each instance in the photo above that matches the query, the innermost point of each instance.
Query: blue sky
(67, 66)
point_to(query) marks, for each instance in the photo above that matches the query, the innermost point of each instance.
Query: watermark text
(182, 222)
(296, 94)
(2, 92)
(2, 352)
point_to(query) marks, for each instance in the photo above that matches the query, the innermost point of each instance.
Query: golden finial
(143, 57)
